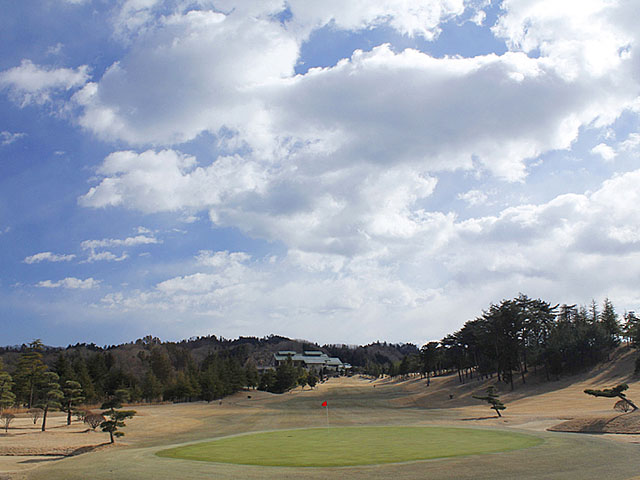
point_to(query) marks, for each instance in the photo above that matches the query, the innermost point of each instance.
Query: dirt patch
(627, 423)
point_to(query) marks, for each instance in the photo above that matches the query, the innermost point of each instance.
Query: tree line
(157, 372)
(523, 334)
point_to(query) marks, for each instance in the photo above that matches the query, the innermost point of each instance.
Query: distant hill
(131, 357)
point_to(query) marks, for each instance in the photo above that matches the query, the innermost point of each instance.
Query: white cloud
(48, 257)
(605, 151)
(339, 167)
(580, 37)
(7, 138)
(412, 280)
(187, 75)
(55, 49)
(105, 256)
(120, 242)
(70, 283)
(33, 84)
(474, 197)
(631, 144)
(422, 17)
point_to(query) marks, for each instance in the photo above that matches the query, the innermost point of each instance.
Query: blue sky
(342, 172)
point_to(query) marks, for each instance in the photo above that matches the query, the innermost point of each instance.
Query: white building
(312, 360)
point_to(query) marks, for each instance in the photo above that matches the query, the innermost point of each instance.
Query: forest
(515, 336)
(507, 340)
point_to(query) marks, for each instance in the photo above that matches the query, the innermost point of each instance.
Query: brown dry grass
(353, 401)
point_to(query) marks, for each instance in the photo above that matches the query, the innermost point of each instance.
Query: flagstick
(327, 407)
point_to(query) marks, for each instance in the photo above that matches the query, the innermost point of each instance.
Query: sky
(336, 171)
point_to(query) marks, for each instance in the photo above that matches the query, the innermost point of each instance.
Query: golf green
(349, 446)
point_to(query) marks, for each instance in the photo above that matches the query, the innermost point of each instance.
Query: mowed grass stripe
(350, 446)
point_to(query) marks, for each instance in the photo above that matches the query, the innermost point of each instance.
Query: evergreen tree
(631, 328)
(161, 365)
(98, 371)
(268, 381)
(49, 395)
(7, 397)
(251, 374)
(63, 368)
(72, 396)
(614, 392)
(29, 372)
(151, 387)
(493, 399)
(82, 375)
(429, 357)
(286, 377)
(115, 416)
(609, 320)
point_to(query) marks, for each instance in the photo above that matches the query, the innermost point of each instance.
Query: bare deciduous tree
(6, 418)
(35, 414)
(622, 406)
(94, 420)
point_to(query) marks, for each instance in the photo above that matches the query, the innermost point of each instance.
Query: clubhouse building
(313, 361)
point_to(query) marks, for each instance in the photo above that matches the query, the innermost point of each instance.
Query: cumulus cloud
(534, 248)
(417, 18)
(71, 283)
(340, 166)
(33, 84)
(631, 144)
(605, 151)
(493, 112)
(151, 81)
(48, 257)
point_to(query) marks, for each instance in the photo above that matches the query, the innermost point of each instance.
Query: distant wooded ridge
(507, 340)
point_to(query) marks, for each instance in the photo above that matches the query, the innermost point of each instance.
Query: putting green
(349, 446)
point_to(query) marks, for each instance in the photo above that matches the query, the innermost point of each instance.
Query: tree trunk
(44, 417)
(633, 405)
(69, 414)
(111, 436)
(498, 412)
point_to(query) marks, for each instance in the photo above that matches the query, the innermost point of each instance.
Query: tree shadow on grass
(479, 418)
(52, 458)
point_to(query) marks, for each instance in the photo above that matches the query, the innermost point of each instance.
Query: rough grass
(359, 402)
(350, 446)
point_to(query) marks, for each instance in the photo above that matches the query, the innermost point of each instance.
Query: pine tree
(29, 372)
(82, 375)
(493, 399)
(614, 392)
(251, 374)
(7, 397)
(609, 320)
(115, 416)
(72, 396)
(49, 394)
(63, 368)
(151, 387)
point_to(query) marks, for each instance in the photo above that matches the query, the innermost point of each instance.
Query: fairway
(351, 446)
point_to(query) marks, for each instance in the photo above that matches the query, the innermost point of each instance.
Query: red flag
(324, 404)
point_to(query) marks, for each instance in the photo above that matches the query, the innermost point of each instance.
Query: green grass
(350, 446)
